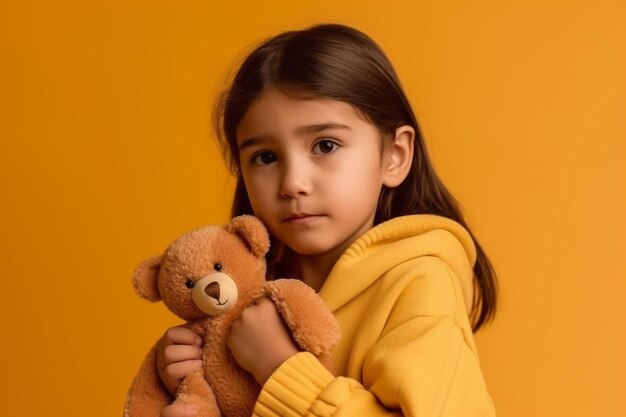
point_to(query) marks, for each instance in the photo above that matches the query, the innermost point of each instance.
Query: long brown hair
(341, 63)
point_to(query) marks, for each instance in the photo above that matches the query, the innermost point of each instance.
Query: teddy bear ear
(145, 279)
(252, 231)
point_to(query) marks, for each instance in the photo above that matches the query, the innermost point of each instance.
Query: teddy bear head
(205, 271)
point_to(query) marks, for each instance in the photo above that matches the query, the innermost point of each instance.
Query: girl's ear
(145, 279)
(398, 156)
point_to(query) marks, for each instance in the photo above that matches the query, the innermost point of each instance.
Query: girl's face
(313, 170)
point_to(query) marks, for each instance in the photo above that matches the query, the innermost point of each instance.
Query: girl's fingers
(175, 372)
(178, 353)
(180, 336)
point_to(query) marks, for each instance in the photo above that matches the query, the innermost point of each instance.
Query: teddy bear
(207, 277)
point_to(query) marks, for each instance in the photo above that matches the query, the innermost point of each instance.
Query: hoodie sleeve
(423, 364)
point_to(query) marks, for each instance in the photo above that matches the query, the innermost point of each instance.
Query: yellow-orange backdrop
(107, 155)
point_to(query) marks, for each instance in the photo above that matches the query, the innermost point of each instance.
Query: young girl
(328, 154)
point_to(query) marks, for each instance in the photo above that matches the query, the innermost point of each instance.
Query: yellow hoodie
(401, 294)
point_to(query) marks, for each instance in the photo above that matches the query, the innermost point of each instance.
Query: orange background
(107, 156)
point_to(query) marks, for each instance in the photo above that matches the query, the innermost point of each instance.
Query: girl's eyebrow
(300, 131)
(303, 130)
(246, 143)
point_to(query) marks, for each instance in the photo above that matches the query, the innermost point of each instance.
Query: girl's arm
(423, 364)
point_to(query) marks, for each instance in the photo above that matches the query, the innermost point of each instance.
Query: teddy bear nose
(213, 290)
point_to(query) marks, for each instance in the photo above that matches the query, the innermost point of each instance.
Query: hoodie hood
(393, 242)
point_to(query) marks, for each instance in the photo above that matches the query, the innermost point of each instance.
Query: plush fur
(222, 264)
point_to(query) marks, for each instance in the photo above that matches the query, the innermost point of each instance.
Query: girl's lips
(302, 218)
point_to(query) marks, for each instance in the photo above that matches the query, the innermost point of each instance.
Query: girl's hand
(259, 340)
(179, 353)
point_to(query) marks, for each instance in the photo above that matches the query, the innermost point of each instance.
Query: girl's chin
(306, 249)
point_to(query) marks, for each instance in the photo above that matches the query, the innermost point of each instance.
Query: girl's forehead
(275, 111)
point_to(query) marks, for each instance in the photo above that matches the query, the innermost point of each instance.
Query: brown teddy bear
(208, 277)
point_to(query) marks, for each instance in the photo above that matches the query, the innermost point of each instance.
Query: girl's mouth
(302, 218)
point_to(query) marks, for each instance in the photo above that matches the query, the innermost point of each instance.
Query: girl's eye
(189, 283)
(263, 158)
(325, 147)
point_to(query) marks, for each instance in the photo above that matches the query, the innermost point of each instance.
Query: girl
(328, 154)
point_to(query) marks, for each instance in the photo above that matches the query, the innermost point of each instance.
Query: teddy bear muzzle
(215, 293)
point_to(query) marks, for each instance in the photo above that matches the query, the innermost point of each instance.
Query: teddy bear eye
(217, 267)
(189, 283)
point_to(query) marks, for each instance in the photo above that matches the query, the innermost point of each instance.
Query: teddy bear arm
(313, 326)
(147, 396)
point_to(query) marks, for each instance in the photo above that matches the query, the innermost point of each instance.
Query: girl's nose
(296, 182)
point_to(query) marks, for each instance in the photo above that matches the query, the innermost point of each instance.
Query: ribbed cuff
(293, 387)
